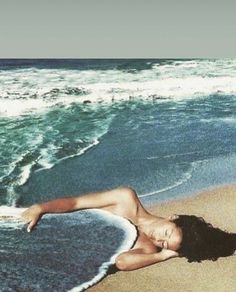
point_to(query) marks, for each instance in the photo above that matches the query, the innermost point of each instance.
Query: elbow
(121, 264)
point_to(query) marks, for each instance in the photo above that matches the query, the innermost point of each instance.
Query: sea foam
(10, 218)
(38, 90)
(130, 238)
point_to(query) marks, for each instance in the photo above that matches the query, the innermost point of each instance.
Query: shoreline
(216, 206)
(205, 203)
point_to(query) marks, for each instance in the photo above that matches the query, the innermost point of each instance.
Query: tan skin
(158, 238)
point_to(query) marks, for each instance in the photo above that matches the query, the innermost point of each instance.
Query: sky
(117, 29)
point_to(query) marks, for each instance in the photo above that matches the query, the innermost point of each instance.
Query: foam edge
(131, 236)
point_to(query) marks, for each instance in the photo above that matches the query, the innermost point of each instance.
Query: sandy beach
(218, 206)
(165, 127)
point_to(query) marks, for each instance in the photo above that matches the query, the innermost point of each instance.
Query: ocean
(165, 127)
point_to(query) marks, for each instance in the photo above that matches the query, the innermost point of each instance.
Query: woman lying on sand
(158, 239)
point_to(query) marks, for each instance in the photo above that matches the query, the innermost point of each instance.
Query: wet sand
(218, 206)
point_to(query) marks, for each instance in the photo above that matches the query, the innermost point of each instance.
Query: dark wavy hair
(202, 241)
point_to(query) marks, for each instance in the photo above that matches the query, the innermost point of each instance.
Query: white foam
(186, 176)
(17, 107)
(82, 151)
(47, 160)
(11, 211)
(31, 90)
(47, 157)
(44, 152)
(21, 179)
(228, 120)
(10, 217)
(174, 155)
(130, 237)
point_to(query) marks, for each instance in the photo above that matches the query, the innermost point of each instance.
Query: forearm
(109, 199)
(128, 261)
(58, 206)
(90, 200)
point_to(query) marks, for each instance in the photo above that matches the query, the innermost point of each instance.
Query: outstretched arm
(109, 200)
(136, 259)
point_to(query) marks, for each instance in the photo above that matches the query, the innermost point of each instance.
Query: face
(167, 235)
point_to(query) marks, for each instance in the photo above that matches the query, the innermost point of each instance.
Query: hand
(168, 253)
(32, 216)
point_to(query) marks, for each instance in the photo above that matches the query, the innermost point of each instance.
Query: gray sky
(117, 28)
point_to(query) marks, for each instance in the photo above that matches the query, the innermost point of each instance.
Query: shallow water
(164, 127)
(166, 115)
(64, 252)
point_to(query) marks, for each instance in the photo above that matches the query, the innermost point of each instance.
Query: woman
(158, 239)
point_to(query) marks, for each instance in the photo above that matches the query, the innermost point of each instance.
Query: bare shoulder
(144, 244)
(128, 204)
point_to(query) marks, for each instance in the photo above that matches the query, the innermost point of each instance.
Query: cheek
(174, 245)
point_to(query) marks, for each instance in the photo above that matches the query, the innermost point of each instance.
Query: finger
(31, 225)
(175, 254)
(173, 217)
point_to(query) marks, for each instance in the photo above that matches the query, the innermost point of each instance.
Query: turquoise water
(151, 122)
(164, 127)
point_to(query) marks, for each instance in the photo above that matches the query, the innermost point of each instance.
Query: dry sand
(217, 206)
